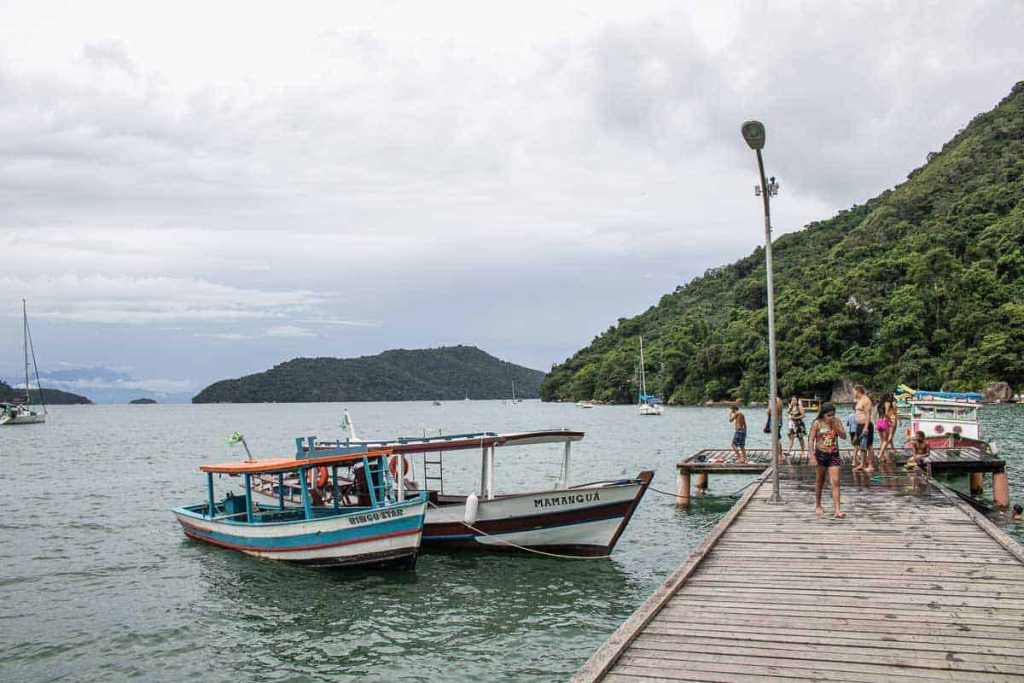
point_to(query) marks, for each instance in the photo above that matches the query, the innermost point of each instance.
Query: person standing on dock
(863, 439)
(886, 423)
(826, 430)
(739, 437)
(797, 430)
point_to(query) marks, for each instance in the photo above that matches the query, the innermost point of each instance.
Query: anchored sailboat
(647, 404)
(21, 412)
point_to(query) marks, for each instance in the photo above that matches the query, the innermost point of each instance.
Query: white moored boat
(647, 404)
(20, 412)
(578, 520)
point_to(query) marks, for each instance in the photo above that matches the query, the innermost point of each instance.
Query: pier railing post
(1000, 489)
(683, 487)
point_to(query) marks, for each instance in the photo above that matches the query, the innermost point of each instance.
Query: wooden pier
(913, 584)
(970, 461)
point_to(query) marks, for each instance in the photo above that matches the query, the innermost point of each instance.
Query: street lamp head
(753, 133)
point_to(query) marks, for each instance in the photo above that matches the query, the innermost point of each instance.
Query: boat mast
(30, 346)
(24, 340)
(643, 377)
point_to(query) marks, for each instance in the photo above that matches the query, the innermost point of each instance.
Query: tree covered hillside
(451, 373)
(50, 396)
(923, 284)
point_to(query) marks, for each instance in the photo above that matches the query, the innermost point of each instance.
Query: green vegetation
(923, 284)
(51, 396)
(448, 373)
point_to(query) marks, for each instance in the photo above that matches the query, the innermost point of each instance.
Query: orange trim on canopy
(290, 464)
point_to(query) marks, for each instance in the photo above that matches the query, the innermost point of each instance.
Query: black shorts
(864, 437)
(828, 459)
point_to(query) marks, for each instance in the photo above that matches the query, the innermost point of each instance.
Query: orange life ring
(393, 465)
(321, 477)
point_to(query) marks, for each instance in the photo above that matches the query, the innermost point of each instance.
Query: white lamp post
(754, 134)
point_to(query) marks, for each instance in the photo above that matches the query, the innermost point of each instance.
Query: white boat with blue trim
(381, 527)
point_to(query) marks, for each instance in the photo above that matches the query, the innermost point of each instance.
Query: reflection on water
(99, 583)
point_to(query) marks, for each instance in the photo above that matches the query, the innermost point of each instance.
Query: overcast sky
(192, 191)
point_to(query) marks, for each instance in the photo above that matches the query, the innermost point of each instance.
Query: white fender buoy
(993, 448)
(472, 503)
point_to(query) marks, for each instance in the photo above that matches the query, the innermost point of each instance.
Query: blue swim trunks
(739, 438)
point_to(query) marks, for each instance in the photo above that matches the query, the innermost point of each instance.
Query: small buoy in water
(472, 502)
(993, 448)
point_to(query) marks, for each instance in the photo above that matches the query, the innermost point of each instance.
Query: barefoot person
(919, 450)
(739, 437)
(797, 430)
(886, 422)
(826, 430)
(864, 437)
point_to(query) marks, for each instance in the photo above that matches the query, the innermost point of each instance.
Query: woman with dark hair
(826, 430)
(885, 424)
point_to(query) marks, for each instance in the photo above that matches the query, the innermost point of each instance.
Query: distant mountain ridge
(446, 373)
(50, 396)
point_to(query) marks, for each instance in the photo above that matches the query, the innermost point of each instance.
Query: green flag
(234, 438)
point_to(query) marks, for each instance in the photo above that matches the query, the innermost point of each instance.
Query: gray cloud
(516, 178)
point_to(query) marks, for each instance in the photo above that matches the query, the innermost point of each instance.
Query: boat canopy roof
(459, 442)
(272, 465)
(650, 398)
(954, 396)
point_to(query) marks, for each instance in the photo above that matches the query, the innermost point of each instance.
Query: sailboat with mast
(20, 412)
(647, 404)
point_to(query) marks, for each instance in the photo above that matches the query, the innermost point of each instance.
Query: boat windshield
(947, 412)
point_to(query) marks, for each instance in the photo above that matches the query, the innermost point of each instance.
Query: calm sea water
(98, 583)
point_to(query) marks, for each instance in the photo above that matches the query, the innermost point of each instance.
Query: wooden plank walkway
(942, 460)
(913, 584)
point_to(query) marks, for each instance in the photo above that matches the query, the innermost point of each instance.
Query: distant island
(51, 397)
(142, 402)
(923, 284)
(446, 373)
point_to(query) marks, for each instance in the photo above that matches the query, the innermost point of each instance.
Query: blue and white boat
(379, 526)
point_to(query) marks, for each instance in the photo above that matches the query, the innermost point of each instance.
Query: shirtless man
(863, 439)
(739, 437)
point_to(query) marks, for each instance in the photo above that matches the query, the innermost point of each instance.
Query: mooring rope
(735, 494)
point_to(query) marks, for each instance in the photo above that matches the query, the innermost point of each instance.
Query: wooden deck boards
(951, 460)
(912, 585)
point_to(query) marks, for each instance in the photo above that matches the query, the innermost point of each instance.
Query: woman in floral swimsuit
(826, 430)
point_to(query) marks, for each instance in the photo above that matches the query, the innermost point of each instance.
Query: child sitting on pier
(739, 437)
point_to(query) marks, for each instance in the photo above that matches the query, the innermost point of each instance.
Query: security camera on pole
(754, 134)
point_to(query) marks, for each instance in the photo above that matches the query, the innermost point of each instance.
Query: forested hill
(50, 396)
(923, 284)
(448, 373)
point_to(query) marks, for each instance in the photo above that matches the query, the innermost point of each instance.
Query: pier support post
(683, 488)
(702, 480)
(1000, 489)
(977, 486)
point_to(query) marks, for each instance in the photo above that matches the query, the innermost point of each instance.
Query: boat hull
(583, 520)
(12, 420)
(385, 537)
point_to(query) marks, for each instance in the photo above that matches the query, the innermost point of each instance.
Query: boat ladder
(433, 471)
